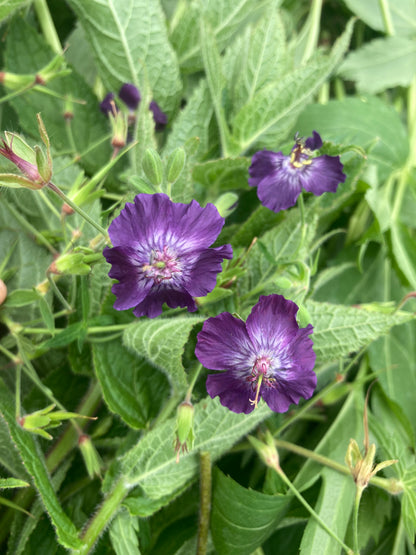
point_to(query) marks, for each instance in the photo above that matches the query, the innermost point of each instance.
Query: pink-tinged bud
(30, 170)
(3, 291)
(184, 428)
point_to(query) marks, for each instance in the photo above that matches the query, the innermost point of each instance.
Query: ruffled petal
(234, 393)
(133, 286)
(323, 175)
(279, 190)
(203, 276)
(272, 324)
(314, 142)
(152, 305)
(263, 164)
(223, 344)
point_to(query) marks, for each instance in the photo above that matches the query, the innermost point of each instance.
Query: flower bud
(184, 428)
(3, 291)
(70, 263)
(152, 167)
(267, 450)
(43, 165)
(91, 458)
(14, 81)
(130, 95)
(362, 468)
(226, 204)
(175, 165)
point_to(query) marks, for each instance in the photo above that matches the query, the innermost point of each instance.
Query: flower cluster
(131, 97)
(162, 254)
(280, 179)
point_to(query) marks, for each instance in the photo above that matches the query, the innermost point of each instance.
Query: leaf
(277, 105)
(9, 6)
(130, 44)
(341, 330)
(242, 519)
(256, 58)
(12, 483)
(123, 534)
(132, 388)
(21, 297)
(222, 174)
(65, 336)
(284, 244)
(34, 462)
(26, 52)
(360, 121)
(404, 248)
(162, 342)
(9, 457)
(151, 462)
(226, 18)
(381, 64)
(403, 15)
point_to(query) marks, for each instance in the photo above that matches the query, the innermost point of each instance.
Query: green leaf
(9, 6)
(21, 297)
(65, 336)
(242, 519)
(193, 121)
(381, 64)
(222, 174)
(12, 483)
(341, 330)
(162, 343)
(255, 58)
(409, 512)
(270, 114)
(403, 15)
(34, 462)
(132, 388)
(123, 534)
(226, 18)
(285, 244)
(404, 249)
(130, 44)
(360, 121)
(151, 463)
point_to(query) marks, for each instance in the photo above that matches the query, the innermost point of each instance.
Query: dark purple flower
(280, 179)
(161, 254)
(130, 95)
(160, 118)
(268, 356)
(107, 105)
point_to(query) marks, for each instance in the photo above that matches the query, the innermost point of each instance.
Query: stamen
(256, 399)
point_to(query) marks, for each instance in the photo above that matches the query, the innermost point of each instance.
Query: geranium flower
(280, 179)
(161, 254)
(159, 117)
(130, 95)
(268, 356)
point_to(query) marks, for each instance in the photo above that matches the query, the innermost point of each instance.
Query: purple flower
(269, 356)
(107, 105)
(280, 179)
(161, 254)
(130, 95)
(159, 117)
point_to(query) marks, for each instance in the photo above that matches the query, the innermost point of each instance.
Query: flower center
(259, 375)
(300, 156)
(162, 265)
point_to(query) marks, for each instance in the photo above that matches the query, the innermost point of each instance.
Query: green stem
(314, 20)
(57, 292)
(18, 389)
(103, 517)
(310, 509)
(192, 383)
(358, 493)
(80, 211)
(205, 502)
(47, 25)
(386, 15)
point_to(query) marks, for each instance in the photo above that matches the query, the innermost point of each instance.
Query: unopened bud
(71, 263)
(226, 204)
(152, 167)
(90, 455)
(184, 428)
(267, 450)
(14, 81)
(3, 291)
(175, 165)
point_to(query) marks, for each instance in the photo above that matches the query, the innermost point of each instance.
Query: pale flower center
(260, 375)
(162, 265)
(300, 156)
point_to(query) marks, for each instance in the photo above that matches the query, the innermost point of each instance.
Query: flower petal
(152, 305)
(234, 393)
(323, 175)
(314, 142)
(133, 286)
(263, 163)
(223, 344)
(203, 276)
